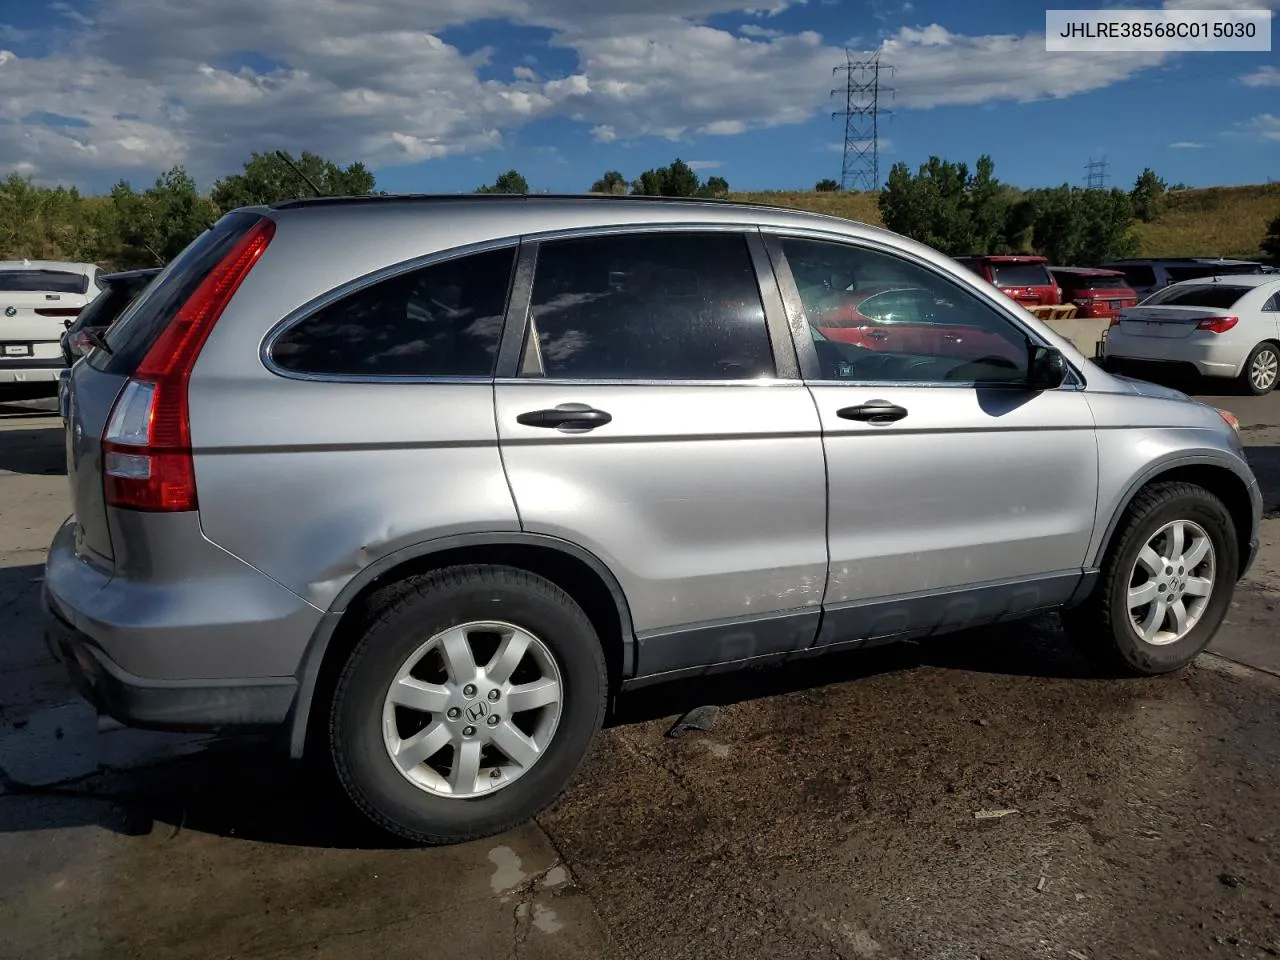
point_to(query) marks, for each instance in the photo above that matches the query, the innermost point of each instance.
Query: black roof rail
(490, 197)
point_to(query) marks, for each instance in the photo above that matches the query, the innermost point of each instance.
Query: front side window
(647, 306)
(441, 320)
(918, 327)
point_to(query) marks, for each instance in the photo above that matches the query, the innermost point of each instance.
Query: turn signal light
(1217, 324)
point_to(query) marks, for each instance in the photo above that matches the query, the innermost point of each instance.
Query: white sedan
(1221, 326)
(38, 298)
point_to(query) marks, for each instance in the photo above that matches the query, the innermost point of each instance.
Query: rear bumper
(1210, 358)
(165, 704)
(39, 372)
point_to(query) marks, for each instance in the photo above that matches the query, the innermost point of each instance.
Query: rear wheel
(1261, 370)
(1165, 584)
(468, 704)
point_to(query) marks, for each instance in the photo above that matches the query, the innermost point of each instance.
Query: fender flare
(313, 657)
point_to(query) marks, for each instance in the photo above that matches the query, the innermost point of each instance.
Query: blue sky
(443, 95)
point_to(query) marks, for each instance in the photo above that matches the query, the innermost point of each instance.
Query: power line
(862, 90)
(1096, 174)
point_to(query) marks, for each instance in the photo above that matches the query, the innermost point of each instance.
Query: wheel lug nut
(495, 773)
(493, 719)
(453, 713)
(469, 690)
(494, 694)
(468, 731)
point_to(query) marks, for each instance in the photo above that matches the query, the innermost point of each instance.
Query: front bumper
(165, 704)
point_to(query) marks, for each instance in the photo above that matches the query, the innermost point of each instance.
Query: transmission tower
(1096, 174)
(861, 113)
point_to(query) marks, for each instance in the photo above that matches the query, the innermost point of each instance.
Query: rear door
(92, 386)
(657, 420)
(957, 496)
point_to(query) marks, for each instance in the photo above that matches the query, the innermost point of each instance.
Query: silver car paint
(307, 482)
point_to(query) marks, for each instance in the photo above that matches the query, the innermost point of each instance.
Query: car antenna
(294, 167)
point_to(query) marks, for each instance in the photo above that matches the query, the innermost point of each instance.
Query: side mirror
(1046, 368)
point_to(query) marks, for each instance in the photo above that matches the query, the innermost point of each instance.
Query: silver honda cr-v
(422, 481)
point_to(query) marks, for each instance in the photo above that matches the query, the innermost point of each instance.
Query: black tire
(1246, 378)
(412, 612)
(1102, 625)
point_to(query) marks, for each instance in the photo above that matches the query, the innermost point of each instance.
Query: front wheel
(1261, 369)
(468, 704)
(1165, 584)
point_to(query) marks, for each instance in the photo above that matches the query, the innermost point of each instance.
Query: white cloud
(156, 82)
(1262, 77)
(1185, 145)
(1265, 126)
(705, 164)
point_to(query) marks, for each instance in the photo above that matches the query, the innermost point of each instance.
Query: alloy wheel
(1171, 582)
(1264, 370)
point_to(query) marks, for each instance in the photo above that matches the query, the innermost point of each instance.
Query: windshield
(43, 281)
(1214, 295)
(1021, 275)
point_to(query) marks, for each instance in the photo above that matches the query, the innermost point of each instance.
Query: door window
(647, 306)
(442, 320)
(875, 318)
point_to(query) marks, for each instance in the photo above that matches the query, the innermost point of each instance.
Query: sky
(443, 95)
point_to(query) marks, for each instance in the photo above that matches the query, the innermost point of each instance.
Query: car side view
(425, 482)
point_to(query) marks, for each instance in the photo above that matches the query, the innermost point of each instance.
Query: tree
(1074, 226)
(154, 226)
(1147, 195)
(945, 206)
(677, 180)
(612, 182)
(266, 178)
(826, 186)
(716, 187)
(510, 182)
(1271, 242)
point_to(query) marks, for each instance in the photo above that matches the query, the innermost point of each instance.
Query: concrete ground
(983, 795)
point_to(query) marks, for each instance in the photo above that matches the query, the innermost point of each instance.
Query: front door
(957, 496)
(649, 425)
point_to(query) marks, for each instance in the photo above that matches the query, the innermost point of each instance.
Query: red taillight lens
(146, 448)
(1217, 324)
(58, 311)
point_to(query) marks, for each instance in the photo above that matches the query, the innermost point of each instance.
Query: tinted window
(1273, 305)
(657, 306)
(146, 318)
(1021, 275)
(1216, 295)
(1069, 281)
(43, 281)
(1139, 276)
(931, 331)
(442, 320)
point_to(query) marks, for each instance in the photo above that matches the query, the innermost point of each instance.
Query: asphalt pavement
(987, 794)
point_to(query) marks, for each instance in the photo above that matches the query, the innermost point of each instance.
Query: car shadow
(1265, 461)
(242, 787)
(38, 449)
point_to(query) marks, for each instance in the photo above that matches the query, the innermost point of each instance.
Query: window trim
(331, 296)
(511, 352)
(800, 327)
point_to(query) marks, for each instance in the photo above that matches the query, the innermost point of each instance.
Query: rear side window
(43, 281)
(146, 318)
(442, 320)
(1214, 295)
(1140, 276)
(1021, 275)
(655, 306)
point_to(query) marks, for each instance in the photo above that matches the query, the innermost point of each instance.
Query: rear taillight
(58, 311)
(1217, 324)
(146, 448)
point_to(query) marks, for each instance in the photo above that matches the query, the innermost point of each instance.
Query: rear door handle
(566, 416)
(873, 411)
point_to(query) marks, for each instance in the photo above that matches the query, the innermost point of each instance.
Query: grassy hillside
(1214, 221)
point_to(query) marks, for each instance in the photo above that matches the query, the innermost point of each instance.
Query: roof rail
(490, 197)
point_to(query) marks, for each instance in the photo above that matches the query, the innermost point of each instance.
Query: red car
(1025, 279)
(908, 320)
(1098, 293)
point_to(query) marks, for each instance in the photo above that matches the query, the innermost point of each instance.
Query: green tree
(54, 223)
(1074, 226)
(266, 178)
(716, 187)
(510, 182)
(945, 206)
(612, 182)
(154, 226)
(676, 180)
(1271, 242)
(827, 186)
(1148, 195)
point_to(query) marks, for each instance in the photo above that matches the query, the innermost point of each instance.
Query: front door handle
(873, 411)
(566, 416)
